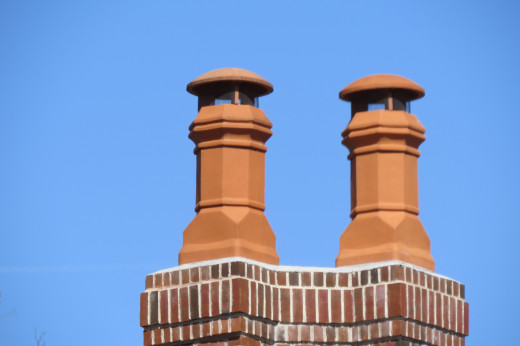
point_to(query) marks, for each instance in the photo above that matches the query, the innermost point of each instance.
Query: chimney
(229, 289)
(383, 139)
(229, 132)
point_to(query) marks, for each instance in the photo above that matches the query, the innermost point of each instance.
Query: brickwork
(242, 302)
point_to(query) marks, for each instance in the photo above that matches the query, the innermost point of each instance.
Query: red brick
(195, 330)
(415, 275)
(364, 278)
(224, 270)
(185, 274)
(445, 312)
(453, 311)
(330, 279)
(429, 280)
(397, 273)
(166, 279)
(306, 279)
(292, 333)
(374, 276)
(343, 279)
(147, 335)
(206, 329)
(164, 307)
(185, 332)
(369, 303)
(225, 297)
(204, 300)
(257, 272)
(158, 280)
(260, 300)
(358, 304)
(285, 301)
(215, 271)
(265, 273)
(154, 307)
(418, 304)
(305, 333)
(384, 274)
(459, 317)
(175, 278)
(184, 303)
(396, 300)
(323, 306)
(385, 329)
(272, 277)
(174, 305)
(143, 317)
(254, 297)
(157, 340)
(297, 306)
(438, 309)
(436, 283)
(431, 307)
(409, 274)
(318, 334)
(355, 333)
(443, 285)
(363, 332)
(204, 273)
(330, 332)
(456, 289)
(342, 335)
(335, 306)
(374, 330)
(215, 299)
(276, 304)
(294, 279)
(422, 279)
(268, 302)
(318, 279)
(149, 281)
(310, 305)
(240, 293)
(166, 333)
(194, 302)
(398, 328)
(411, 310)
(348, 305)
(194, 274)
(424, 307)
(355, 279)
(281, 278)
(380, 301)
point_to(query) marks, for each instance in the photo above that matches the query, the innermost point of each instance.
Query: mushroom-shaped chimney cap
(226, 75)
(363, 86)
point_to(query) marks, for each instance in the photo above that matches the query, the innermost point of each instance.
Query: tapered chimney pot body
(230, 135)
(383, 139)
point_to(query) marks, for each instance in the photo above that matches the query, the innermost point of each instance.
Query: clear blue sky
(97, 178)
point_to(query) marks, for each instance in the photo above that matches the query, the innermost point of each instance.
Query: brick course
(242, 302)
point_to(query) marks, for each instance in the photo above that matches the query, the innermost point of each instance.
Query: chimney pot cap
(365, 85)
(223, 75)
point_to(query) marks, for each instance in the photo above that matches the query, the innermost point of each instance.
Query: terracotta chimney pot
(229, 132)
(383, 139)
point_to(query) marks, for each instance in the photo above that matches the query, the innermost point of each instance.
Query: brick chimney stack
(229, 288)
(383, 139)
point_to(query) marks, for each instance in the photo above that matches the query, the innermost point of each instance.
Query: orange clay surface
(230, 148)
(383, 148)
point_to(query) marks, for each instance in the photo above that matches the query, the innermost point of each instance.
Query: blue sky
(97, 180)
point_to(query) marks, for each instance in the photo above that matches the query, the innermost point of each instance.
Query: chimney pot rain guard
(229, 132)
(383, 139)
